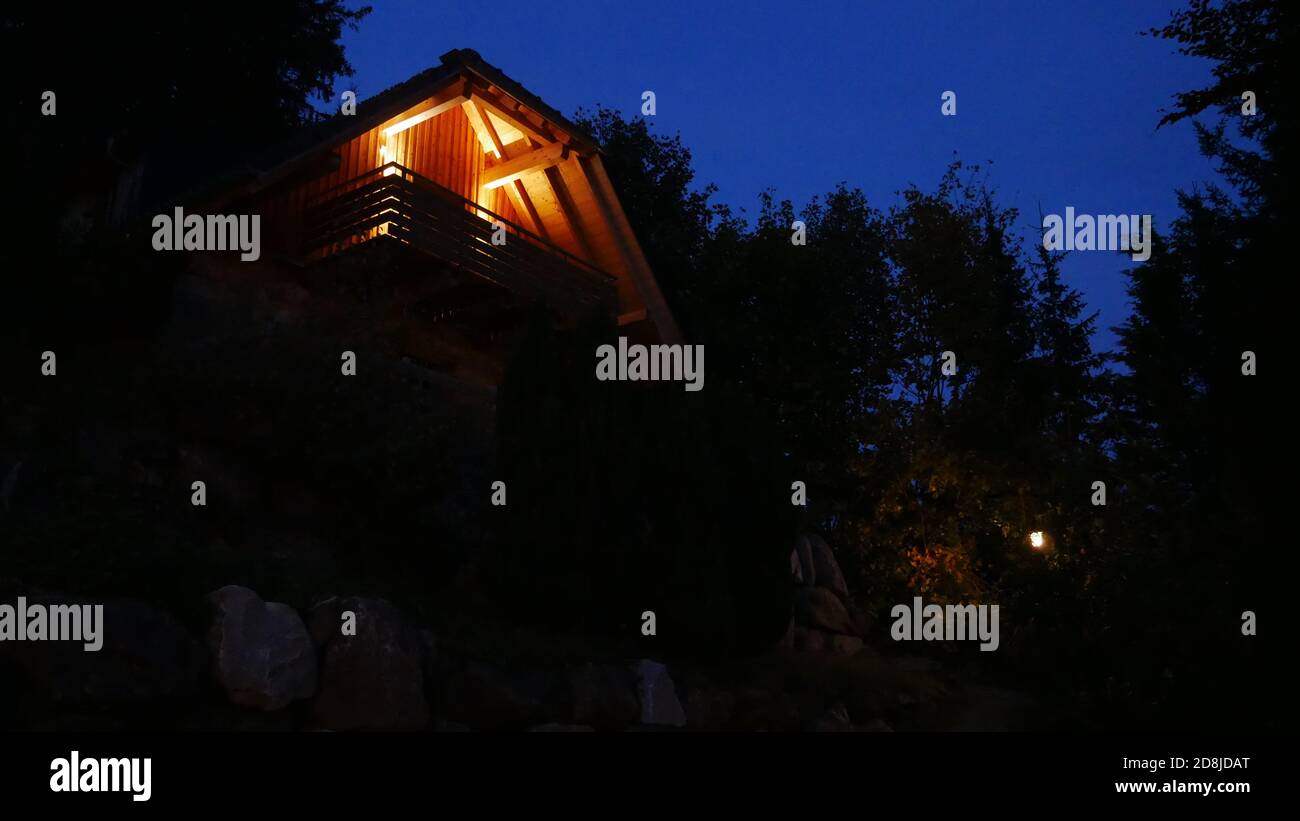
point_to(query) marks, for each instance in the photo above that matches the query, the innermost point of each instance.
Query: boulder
(834, 720)
(147, 655)
(763, 710)
(603, 695)
(485, 696)
(807, 639)
(842, 645)
(373, 680)
(812, 564)
(657, 695)
(820, 608)
(875, 725)
(147, 660)
(805, 570)
(826, 570)
(708, 707)
(262, 655)
(812, 640)
(821, 621)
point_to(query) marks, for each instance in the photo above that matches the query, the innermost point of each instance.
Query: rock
(825, 569)
(875, 725)
(147, 661)
(808, 639)
(373, 680)
(147, 654)
(708, 708)
(760, 710)
(262, 655)
(812, 640)
(603, 695)
(821, 621)
(812, 562)
(842, 645)
(819, 607)
(801, 558)
(657, 695)
(834, 720)
(489, 697)
(324, 622)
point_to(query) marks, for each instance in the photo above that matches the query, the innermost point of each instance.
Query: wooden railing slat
(439, 222)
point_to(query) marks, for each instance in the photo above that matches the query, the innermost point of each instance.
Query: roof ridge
(311, 136)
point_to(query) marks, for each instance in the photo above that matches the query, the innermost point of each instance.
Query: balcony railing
(393, 201)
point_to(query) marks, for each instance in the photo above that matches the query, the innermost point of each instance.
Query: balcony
(395, 203)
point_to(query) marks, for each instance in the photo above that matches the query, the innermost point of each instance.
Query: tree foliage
(929, 482)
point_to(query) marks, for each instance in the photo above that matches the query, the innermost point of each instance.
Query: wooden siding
(444, 149)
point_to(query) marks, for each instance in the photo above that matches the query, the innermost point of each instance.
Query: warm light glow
(507, 132)
(426, 114)
(1036, 539)
(410, 122)
(386, 154)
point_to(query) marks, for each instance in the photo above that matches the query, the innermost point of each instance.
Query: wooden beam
(642, 277)
(570, 211)
(514, 119)
(525, 209)
(427, 110)
(508, 172)
(487, 135)
(498, 144)
(521, 111)
(533, 117)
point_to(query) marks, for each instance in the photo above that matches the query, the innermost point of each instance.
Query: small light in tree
(1037, 539)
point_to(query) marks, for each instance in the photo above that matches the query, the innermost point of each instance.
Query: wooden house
(492, 196)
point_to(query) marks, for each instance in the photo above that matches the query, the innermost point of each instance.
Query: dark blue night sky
(1062, 98)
